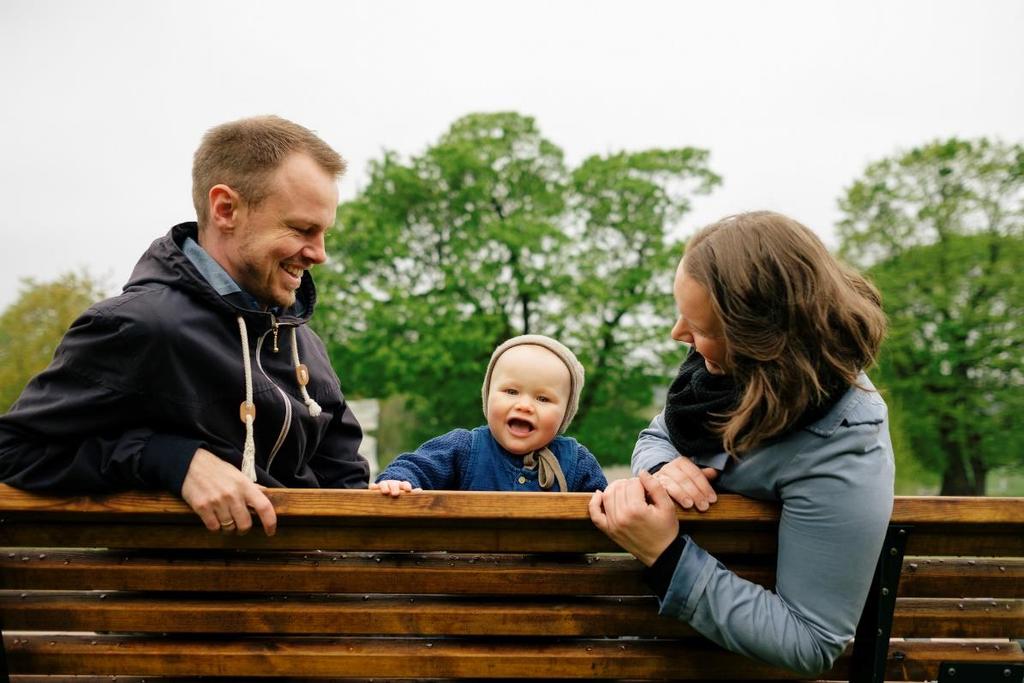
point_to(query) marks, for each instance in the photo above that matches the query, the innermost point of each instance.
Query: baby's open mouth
(519, 427)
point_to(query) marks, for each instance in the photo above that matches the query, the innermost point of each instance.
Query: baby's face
(527, 399)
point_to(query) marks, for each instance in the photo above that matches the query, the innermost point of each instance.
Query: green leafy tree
(942, 229)
(488, 234)
(32, 326)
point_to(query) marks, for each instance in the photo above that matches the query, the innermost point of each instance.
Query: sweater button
(522, 479)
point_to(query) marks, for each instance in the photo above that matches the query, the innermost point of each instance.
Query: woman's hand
(638, 514)
(689, 485)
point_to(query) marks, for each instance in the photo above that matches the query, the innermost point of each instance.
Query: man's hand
(222, 496)
(638, 514)
(393, 487)
(689, 485)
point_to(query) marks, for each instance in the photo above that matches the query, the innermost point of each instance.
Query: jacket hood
(165, 263)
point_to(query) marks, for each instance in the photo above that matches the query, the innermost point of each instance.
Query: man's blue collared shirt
(215, 274)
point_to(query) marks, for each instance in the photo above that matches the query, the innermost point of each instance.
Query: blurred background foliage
(32, 326)
(940, 229)
(488, 233)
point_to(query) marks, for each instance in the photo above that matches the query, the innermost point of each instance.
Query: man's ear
(225, 206)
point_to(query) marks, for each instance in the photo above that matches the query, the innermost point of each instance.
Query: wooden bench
(462, 585)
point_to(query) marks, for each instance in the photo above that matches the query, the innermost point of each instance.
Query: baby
(530, 394)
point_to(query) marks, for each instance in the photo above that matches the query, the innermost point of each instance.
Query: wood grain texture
(327, 504)
(982, 540)
(290, 679)
(294, 679)
(445, 585)
(337, 572)
(919, 661)
(376, 614)
(501, 536)
(431, 616)
(351, 505)
(958, 618)
(965, 577)
(393, 658)
(318, 572)
(438, 658)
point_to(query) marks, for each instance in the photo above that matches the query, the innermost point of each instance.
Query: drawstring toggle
(302, 376)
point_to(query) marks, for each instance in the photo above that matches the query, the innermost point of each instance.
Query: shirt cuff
(691, 577)
(659, 575)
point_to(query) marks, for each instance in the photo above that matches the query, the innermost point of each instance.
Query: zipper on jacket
(284, 397)
(274, 326)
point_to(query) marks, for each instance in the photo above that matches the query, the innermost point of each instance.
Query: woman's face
(698, 325)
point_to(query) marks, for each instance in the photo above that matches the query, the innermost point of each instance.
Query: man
(202, 377)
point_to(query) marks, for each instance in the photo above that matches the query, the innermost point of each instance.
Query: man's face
(527, 399)
(276, 241)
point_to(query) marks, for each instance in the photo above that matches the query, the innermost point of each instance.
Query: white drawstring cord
(247, 411)
(302, 375)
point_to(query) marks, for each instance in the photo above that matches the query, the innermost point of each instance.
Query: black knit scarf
(697, 399)
(694, 399)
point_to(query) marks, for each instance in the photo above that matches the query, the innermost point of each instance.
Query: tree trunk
(956, 479)
(957, 482)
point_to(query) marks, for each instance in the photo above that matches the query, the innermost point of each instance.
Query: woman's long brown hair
(796, 321)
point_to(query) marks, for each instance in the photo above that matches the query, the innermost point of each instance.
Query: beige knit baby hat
(576, 373)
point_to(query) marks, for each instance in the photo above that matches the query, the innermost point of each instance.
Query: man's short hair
(244, 154)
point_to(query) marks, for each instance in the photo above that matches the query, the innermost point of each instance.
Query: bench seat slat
(300, 679)
(958, 618)
(435, 616)
(931, 577)
(379, 658)
(910, 660)
(450, 573)
(280, 572)
(336, 615)
(499, 537)
(440, 658)
(528, 590)
(978, 541)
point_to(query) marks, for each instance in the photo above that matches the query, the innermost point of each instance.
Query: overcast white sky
(103, 103)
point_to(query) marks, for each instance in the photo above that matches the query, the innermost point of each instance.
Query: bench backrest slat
(445, 585)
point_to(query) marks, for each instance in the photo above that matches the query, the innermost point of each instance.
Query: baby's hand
(393, 487)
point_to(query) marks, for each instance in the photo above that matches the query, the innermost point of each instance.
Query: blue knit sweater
(473, 461)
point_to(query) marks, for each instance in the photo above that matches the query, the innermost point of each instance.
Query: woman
(771, 402)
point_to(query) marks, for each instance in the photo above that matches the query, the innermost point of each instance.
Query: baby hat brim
(576, 372)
